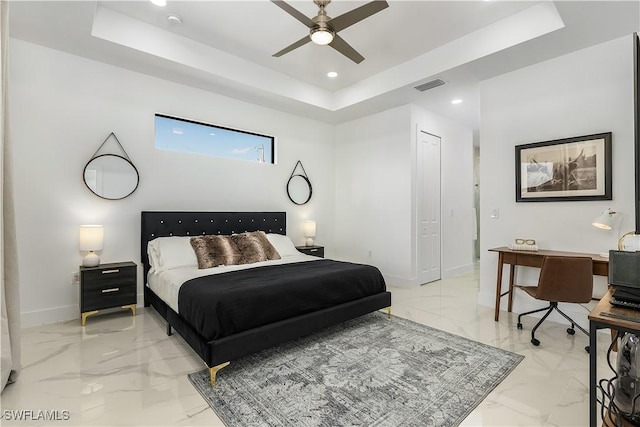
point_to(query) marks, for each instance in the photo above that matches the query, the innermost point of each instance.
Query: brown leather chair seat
(562, 279)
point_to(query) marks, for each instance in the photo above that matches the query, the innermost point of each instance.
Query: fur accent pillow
(213, 251)
(255, 247)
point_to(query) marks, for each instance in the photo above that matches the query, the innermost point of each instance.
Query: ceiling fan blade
(344, 48)
(301, 42)
(347, 19)
(295, 13)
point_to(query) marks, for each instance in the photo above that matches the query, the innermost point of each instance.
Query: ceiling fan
(324, 30)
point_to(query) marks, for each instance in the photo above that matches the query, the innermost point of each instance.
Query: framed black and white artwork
(570, 169)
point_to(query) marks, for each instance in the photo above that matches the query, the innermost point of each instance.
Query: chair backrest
(566, 279)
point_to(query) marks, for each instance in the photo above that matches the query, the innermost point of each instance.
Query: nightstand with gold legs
(107, 286)
(87, 314)
(83, 316)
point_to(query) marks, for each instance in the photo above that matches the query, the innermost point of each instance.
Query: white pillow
(283, 244)
(166, 253)
(152, 254)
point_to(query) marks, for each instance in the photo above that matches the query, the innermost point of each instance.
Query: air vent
(430, 85)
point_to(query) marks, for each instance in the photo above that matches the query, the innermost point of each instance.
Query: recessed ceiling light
(161, 3)
(332, 74)
(174, 19)
(456, 101)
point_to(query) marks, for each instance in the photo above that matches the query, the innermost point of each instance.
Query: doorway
(429, 207)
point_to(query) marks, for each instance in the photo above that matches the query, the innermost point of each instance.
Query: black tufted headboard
(164, 224)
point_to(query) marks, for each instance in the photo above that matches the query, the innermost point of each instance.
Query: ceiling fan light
(321, 36)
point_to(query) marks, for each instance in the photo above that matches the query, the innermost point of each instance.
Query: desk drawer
(529, 260)
(509, 258)
(526, 259)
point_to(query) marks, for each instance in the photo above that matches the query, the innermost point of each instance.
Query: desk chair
(562, 279)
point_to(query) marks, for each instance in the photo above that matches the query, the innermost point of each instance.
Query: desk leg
(593, 374)
(499, 285)
(512, 273)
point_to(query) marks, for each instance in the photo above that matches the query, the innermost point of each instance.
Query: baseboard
(401, 282)
(457, 271)
(487, 299)
(48, 316)
(29, 319)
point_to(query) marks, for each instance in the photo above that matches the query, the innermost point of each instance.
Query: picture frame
(569, 169)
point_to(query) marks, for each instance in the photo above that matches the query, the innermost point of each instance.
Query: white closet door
(429, 246)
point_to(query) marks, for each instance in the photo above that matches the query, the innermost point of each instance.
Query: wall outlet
(75, 278)
(370, 254)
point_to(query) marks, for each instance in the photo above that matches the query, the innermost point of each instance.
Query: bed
(217, 345)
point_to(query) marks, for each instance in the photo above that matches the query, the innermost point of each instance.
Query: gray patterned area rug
(373, 370)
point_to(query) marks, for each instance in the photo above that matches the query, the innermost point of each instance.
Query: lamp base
(91, 260)
(629, 242)
(309, 242)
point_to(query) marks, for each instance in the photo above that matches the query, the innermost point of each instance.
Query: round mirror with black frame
(111, 177)
(299, 188)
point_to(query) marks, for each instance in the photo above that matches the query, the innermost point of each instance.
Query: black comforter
(225, 304)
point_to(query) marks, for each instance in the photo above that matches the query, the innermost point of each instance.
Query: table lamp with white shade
(309, 232)
(607, 220)
(91, 240)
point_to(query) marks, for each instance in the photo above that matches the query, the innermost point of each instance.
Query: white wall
(62, 107)
(375, 164)
(373, 192)
(586, 92)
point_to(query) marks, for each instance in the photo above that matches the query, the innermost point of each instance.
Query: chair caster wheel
(519, 325)
(586, 349)
(535, 342)
(571, 331)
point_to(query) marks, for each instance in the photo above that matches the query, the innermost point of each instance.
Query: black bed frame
(218, 353)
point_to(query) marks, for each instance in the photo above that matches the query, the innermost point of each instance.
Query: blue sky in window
(196, 138)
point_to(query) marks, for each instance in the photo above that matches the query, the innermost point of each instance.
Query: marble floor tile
(125, 371)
